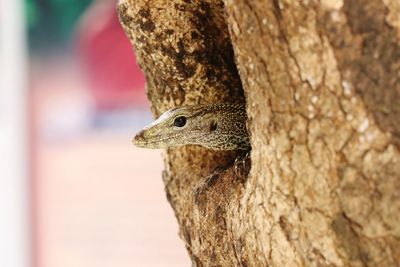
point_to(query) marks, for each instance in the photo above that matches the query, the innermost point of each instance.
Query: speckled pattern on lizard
(215, 126)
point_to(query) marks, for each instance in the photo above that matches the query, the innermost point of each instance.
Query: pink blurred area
(101, 203)
(107, 58)
(97, 200)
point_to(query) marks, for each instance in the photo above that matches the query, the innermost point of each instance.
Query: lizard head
(180, 126)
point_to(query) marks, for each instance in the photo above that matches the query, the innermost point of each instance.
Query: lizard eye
(180, 121)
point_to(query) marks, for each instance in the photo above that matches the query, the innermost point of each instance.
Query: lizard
(220, 126)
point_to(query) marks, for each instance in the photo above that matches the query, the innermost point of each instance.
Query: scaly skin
(215, 126)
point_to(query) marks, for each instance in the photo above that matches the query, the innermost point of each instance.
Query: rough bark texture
(322, 86)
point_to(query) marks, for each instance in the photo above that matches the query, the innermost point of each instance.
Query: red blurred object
(108, 59)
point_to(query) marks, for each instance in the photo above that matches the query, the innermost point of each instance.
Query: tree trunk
(321, 81)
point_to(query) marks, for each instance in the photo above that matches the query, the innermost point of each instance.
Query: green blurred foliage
(52, 22)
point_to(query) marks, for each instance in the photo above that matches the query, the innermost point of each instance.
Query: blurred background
(73, 190)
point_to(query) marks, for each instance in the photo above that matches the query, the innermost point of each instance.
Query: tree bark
(321, 81)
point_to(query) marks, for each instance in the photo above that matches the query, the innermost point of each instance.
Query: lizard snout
(139, 138)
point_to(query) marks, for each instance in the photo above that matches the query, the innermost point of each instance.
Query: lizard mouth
(140, 141)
